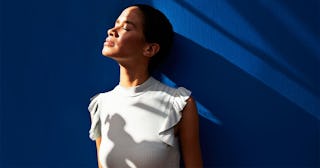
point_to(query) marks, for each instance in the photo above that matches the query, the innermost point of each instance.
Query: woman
(142, 122)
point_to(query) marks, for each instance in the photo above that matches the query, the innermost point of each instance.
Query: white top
(136, 125)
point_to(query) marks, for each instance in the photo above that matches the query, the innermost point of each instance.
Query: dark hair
(157, 29)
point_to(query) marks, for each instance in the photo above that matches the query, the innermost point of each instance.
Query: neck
(130, 77)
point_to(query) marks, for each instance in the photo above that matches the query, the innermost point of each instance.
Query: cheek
(134, 42)
(136, 39)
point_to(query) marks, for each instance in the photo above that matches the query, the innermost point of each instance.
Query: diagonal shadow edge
(287, 69)
(292, 24)
(202, 110)
(278, 81)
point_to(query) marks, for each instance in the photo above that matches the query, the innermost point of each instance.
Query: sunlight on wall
(209, 34)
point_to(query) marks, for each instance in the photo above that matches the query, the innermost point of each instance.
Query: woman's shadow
(126, 152)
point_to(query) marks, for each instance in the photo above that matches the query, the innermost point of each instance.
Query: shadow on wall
(293, 40)
(258, 125)
(280, 63)
(290, 30)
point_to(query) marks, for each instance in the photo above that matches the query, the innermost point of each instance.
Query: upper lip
(109, 40)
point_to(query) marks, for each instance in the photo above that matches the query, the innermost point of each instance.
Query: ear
(151, 49)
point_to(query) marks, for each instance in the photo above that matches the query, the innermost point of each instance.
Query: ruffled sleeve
(166, 132)
(95, 130)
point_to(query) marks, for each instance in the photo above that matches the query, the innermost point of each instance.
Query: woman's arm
(98, 142)
(189, 135)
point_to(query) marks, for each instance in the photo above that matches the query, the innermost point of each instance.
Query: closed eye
(125, 24)
(125, 28)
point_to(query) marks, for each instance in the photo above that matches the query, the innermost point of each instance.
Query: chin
(106, 52)
(110, 55)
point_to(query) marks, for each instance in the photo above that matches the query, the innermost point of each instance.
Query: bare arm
(189, 136)
(98, 142)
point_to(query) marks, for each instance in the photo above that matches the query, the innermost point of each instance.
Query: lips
(108, 43)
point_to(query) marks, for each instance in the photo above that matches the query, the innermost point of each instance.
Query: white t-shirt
(136, 125)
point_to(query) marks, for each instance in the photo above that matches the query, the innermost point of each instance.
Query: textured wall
(253, 67)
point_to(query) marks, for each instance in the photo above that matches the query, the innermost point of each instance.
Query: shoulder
(191, 105)
(173, 91)
(101, 95)
(190, 116)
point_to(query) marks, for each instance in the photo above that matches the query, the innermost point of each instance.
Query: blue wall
(253, 67)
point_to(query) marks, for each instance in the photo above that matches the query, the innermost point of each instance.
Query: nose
(113, 32)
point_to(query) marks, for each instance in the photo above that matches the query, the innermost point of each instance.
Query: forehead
(132, 14)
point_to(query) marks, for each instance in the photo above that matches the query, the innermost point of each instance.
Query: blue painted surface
(253, 67)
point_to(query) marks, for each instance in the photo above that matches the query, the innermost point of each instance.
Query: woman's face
(126, 40)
